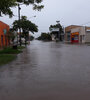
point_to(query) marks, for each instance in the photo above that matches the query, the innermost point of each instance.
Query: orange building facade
(4, 34)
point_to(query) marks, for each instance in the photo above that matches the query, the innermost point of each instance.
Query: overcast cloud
(76, 12)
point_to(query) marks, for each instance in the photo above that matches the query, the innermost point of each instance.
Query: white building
(56, 35)
(77, 34)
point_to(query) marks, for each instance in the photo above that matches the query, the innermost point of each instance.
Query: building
(77, 34)
(56, 34)
(4, 35)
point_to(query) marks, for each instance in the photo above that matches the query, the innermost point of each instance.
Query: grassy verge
(9, 54)
(10, 50)
(21, 47)
(6, 58)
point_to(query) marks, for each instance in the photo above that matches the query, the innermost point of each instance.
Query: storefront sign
(75, 37)
(54, 29)
(76, 33)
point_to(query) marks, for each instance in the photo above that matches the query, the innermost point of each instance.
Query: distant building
(77, 34)
(4, 36)
(56, 34)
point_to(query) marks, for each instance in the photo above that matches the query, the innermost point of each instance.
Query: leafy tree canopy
(25, 25)
(45, 37)
(31, 38)
(6, 5)
(56, 26)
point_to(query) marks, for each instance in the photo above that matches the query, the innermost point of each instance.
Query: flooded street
(47, 71)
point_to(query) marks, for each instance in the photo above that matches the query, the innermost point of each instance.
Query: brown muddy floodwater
(47, 71)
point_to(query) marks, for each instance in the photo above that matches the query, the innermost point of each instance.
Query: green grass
(6, 58)
(10, 50)
(21, 47)
(9, 54)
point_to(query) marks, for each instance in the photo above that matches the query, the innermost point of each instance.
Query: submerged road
(47, 71)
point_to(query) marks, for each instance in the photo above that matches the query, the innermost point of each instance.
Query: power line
(85, 23)
(28, 17)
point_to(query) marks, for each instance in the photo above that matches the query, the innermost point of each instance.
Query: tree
(45, 37)
(12, 36)
(6, 5)
(31, 38)
(56, 26)
(58, 35)
(26, 26)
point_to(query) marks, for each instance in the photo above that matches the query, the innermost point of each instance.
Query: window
(83, 37)
(69, 33)
(76, 37)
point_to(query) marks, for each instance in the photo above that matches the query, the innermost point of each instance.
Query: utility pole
(19, 24)
(59, 33)
(0, 13)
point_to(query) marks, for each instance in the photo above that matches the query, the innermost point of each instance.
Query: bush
(45, 37)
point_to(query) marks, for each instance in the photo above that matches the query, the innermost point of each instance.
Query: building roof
(4, 23)
(68, 28)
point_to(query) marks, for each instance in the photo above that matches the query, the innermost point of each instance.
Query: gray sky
(76, 12)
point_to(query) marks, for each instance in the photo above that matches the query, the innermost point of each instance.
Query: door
(80, 38)
(2, 44)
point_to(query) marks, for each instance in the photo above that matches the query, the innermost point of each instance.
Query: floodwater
(47, 71)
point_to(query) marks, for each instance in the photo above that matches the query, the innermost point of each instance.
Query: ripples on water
(47, 71)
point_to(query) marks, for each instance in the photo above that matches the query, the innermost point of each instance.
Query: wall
(4, 28)
(68, 31)
(82, 33)
(87, 37)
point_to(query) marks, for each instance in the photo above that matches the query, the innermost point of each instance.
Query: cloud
(67, 11)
